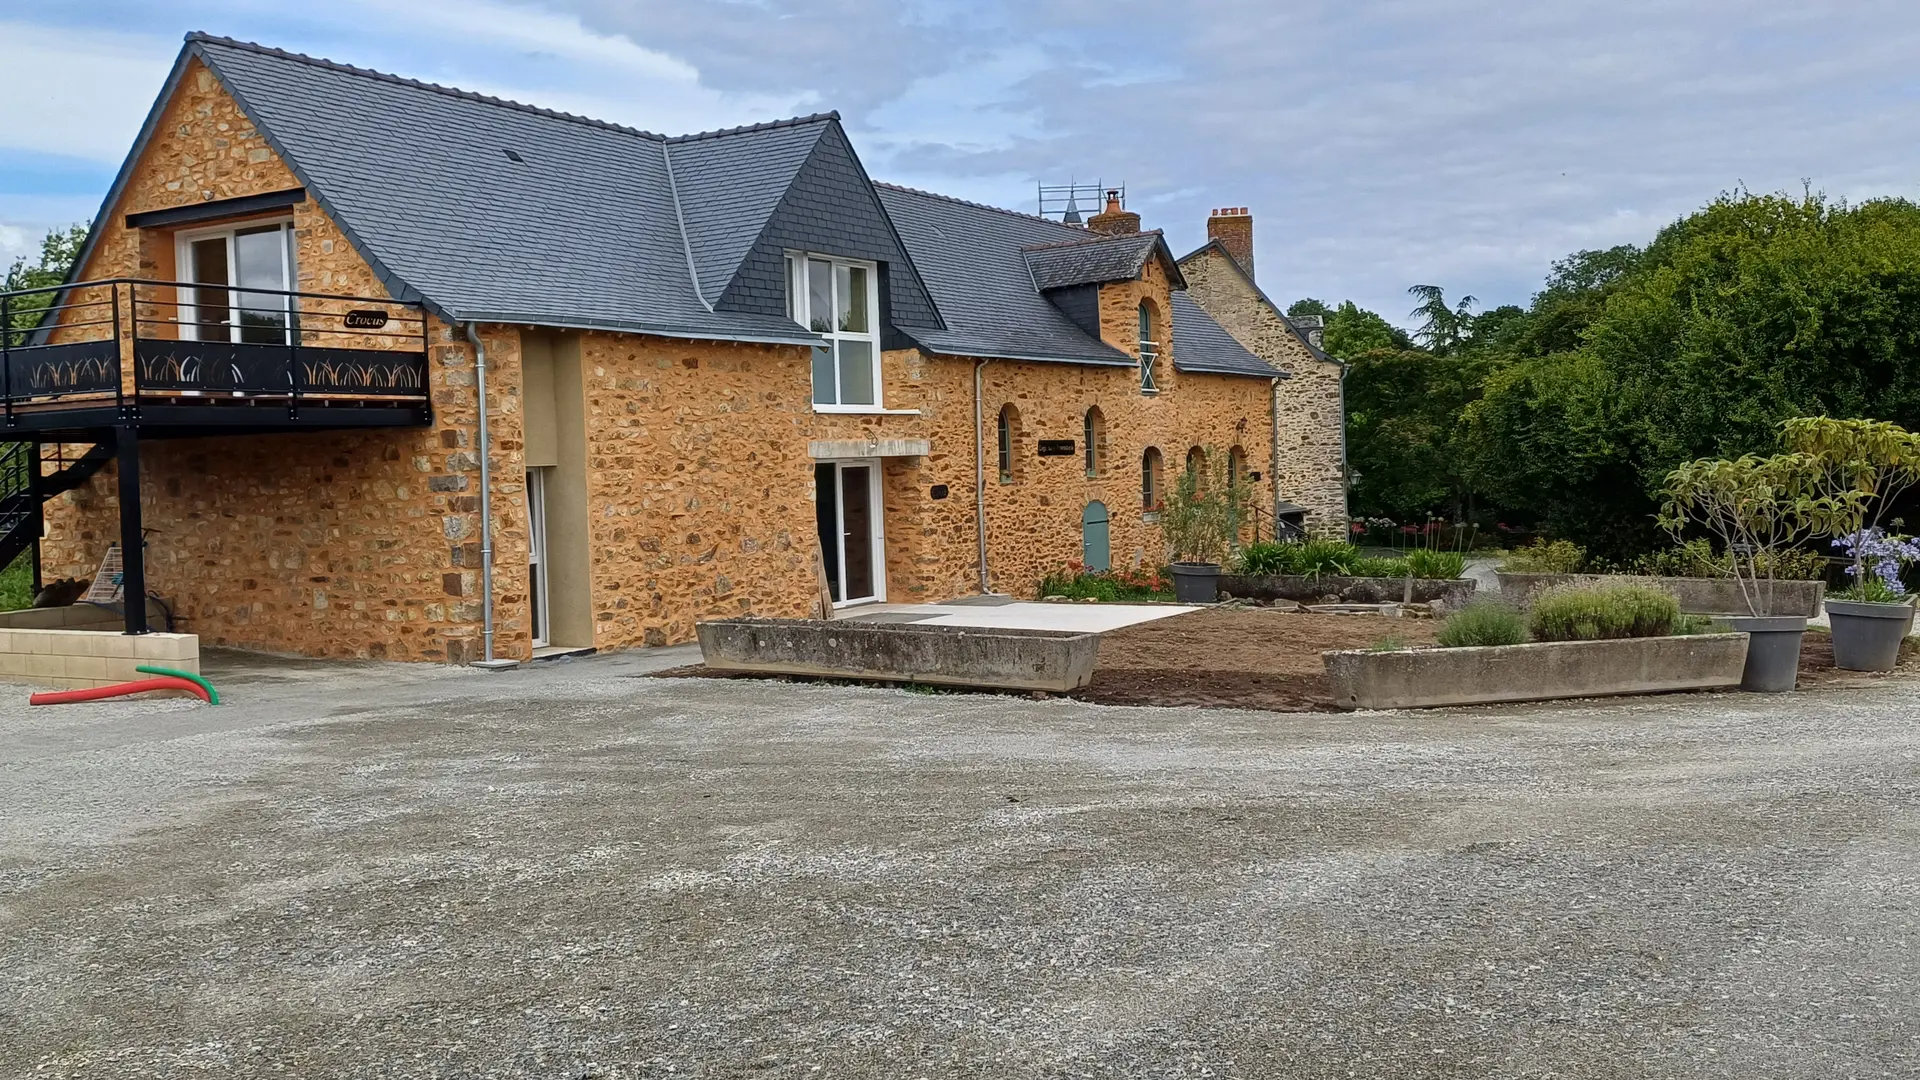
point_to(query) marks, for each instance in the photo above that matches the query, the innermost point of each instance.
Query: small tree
(1757, 507)
(1868, 464)
(1201, 522)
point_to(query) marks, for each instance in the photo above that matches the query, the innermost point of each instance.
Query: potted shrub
(1199, 525)
(1759, 507)
(1873, 614)
(1874, 462)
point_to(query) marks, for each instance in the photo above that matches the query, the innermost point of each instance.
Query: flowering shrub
(1076, 582)
(1878, 560)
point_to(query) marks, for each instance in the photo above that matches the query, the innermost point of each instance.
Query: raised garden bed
(1699, 596)
(1423, 678)
(1329, 589)
(1001, 659)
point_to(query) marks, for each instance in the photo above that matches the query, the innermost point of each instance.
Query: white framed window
(241, 276)
(1149, 351)
(839, 299)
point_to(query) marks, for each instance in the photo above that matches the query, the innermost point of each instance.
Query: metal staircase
(23, 489)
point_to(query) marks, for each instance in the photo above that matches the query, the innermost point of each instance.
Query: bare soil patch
(1243, 658)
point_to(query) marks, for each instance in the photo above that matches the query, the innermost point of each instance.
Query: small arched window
(1009, 431)
(1149, 350)
(1094, 433)
(1150, 479)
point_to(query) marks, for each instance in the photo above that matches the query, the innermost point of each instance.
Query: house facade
(363, 335)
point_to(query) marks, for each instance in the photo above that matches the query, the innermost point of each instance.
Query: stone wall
(350, 544)
(1311, 467)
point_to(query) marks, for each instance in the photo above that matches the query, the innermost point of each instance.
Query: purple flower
(1883, 556)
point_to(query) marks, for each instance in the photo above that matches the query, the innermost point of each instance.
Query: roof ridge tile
(1094, 238)
(970, 202)
(767, 125)
(198, 37)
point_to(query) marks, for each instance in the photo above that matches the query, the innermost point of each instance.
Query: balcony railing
(136, 343)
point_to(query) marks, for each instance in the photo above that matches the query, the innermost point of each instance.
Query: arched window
(1094, 433)
(1197, 468)
(1150, 479)
(1009, 434)
(1149, 350)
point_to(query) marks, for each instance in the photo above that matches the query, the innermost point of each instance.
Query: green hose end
(213, 696)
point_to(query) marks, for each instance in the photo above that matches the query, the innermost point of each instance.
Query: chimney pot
(1115, 219)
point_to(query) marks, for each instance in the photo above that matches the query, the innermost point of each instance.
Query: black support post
(39, 515)
(133, 556)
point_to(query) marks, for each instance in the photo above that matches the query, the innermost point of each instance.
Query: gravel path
(378, 871)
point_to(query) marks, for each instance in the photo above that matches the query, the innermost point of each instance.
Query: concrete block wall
(77, 659)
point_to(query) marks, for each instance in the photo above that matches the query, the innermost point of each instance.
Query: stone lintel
(828, 449)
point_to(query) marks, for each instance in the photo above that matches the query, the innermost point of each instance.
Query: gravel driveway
(378, 871)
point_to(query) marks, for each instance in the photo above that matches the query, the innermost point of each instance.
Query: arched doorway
(1094, 547)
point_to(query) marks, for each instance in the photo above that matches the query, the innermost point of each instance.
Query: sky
(1378, 143)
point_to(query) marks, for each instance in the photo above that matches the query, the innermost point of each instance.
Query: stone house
(384, 369)
(1310, 433)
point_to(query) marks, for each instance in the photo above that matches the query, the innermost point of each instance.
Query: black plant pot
(1196, 582)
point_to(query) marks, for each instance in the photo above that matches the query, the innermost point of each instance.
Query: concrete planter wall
(943, 655)
(1423, 678)
(1454, 592)
(1700, 596)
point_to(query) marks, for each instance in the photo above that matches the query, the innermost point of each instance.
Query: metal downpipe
(486, 504)
(980, 473)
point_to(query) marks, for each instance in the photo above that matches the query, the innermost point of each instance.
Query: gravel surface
(380, 871)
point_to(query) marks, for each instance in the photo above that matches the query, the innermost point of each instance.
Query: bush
(1305, 557)
(1541, 557)
(1078, 583)
(1264, 557)
(1598, 612)
(1428, 563)
(1696, 558)
(1373, 567)
(1688, 625)
(16, 583)
(1483, 622)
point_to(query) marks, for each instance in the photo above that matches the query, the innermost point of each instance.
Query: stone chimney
(1115, 219)
(1232, 226)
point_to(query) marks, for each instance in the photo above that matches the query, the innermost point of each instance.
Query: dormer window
(1149, 350)
(838, 299)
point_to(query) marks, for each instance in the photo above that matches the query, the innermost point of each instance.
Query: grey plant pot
(1196, 582)
(1773, 650)
(1866, 636)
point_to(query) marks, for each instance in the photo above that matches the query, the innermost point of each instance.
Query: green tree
(58, 251)
(1442, 328)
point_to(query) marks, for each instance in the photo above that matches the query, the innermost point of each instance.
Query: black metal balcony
(128, 352)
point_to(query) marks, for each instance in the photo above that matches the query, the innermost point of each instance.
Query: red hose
(95, 693)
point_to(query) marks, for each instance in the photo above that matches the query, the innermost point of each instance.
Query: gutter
(980, 472)
(486, 509)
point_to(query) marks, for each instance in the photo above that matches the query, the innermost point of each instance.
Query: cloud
(1380, 143)
(78, 94)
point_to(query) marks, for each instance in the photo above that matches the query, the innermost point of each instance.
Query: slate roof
(1093, 259)
(583, 230)
(976, 260)
(970, 256)
(490, 210)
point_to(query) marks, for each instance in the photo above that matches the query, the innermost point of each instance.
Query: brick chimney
(1232, 226)
(1115, 219)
